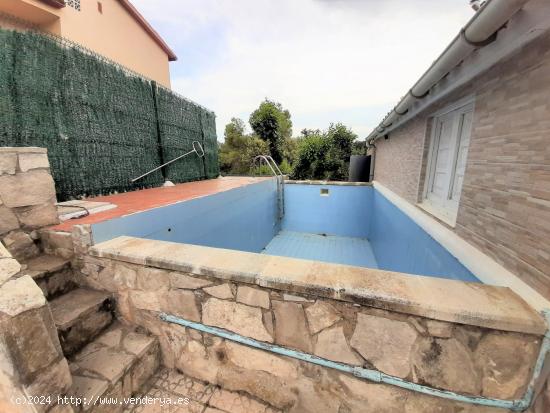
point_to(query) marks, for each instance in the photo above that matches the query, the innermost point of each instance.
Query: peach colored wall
(113, 33)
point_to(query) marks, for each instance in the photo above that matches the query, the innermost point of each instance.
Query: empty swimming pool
(338, 223)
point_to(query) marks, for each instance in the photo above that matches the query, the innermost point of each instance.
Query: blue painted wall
(345, 212)
(244, 218)
(399, 244)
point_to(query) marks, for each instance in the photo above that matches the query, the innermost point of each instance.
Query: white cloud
(313, 56)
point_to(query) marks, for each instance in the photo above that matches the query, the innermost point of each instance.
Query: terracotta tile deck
(142, 200)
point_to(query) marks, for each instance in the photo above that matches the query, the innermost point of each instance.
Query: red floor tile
(142, 200)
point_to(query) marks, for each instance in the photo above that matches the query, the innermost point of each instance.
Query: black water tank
(359, 168)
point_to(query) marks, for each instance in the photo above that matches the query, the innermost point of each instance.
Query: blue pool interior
(353, 225)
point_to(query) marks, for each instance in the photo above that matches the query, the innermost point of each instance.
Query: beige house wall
(505, 203)
(113, 33)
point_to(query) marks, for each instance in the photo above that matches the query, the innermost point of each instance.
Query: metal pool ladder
(280, 178)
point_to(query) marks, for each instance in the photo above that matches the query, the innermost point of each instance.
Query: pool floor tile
(320, 247)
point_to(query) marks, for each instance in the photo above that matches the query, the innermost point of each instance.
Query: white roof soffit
(462, 60)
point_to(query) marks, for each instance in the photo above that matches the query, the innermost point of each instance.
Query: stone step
(53, 274)
(115, 365)
(80, 315)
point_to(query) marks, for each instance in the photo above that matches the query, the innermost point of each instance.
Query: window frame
(447, 213)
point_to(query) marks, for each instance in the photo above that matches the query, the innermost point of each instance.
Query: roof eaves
(58, 4)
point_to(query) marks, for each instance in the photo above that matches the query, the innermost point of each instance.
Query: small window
(324, 192)
(447, 161)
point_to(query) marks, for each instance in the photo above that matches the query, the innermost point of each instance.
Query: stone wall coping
(337, 183)
(19, 149)
(460, 302)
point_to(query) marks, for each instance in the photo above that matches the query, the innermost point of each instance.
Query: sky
(326, 61)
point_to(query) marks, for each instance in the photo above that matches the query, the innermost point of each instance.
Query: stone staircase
(53, 274)
(106, 359)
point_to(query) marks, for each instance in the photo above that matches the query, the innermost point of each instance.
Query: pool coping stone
(454, 301)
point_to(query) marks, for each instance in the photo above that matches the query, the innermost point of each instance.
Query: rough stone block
(196, 362)
(180, 280)
(290, 325)
(222, 291)
(8, 220)
(57, 239)
(264, 386)
(137, 344)
(29, 338)
(235, 317)
(385, 343)
(152, 279)
(57, 283)
(8, 268)
(181, 303)
(55, 380)
(108, 363)
(20, 295)
(37, 216)
(249, 358)
(320, 316)
(28, 161)
(173, 340)
(24, 189)
(253, 297)
(4, 253)
(369, 397)
(332, 344)
(116, 277)
(8, 163)
(20, 245)
(445, 364)
(506, 361)
(439, 328)
(145, 367)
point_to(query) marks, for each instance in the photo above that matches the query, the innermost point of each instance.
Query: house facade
(473, 153)
(112, 28)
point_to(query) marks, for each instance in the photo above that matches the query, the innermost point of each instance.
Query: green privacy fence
(101, 124)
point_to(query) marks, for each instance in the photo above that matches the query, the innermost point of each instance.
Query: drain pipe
(479, 31)
(372, 147)
(377, 376)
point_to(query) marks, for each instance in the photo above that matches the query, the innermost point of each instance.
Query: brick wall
(505, 203)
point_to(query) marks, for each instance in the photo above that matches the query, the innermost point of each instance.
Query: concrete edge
(337, 183)
(440, 299)
(22, 149)
(482, 266)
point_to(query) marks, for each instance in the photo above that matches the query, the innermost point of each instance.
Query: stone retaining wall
(32, 363)
(27, 199)
(466, 359)
(31, 360)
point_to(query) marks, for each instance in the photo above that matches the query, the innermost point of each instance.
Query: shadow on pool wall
(246, 219)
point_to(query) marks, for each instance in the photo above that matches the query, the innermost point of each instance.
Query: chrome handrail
(268, 159)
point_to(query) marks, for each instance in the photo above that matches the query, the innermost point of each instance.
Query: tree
(239, 148)
(324, 155)
(271, 123)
